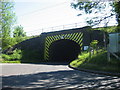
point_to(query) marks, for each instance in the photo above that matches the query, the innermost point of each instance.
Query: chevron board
(76, 37)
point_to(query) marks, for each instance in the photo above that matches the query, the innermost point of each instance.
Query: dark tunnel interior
(64, 50)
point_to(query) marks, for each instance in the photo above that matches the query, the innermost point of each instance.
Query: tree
(100, 11)
(19, 34)
(6, 22)
(116, 6)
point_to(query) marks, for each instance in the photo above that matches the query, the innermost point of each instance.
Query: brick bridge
(64, 45)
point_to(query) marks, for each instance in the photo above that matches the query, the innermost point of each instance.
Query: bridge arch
(49, 40)
(64, 50)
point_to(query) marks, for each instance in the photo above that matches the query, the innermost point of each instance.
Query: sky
(37, 16)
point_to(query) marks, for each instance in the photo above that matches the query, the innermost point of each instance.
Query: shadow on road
(61, 80)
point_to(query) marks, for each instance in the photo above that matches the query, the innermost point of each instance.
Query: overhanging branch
(99, 21)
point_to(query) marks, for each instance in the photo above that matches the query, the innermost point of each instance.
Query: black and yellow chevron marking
(77, 37)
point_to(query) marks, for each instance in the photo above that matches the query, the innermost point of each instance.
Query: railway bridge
(65, 45)
(59, 46)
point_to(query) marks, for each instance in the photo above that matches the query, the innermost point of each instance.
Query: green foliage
(89, 6)
(8, 42)
(18, 61)
(17, 55)
(83, 55)
(8, 18)
(81, 59)
(19, 35)
(19, 32)
(96, 8)
(20, 39)
(6, 22)
(98, 62)
(116, 6)
(6, 57)
(109, 29)
(94, 43)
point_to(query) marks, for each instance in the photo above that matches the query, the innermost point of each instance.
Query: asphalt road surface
(50, 76)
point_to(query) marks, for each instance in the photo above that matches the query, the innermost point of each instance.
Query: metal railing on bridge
(55, 28)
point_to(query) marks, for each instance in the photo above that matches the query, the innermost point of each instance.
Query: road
(43, 76)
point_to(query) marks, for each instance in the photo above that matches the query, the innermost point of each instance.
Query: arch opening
(64, 50)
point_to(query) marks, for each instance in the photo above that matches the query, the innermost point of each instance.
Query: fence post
(75, 24)
(63, 27)
(42, 30)
(52, 28)
(108, 52)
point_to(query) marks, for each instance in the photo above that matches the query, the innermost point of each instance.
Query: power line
(60, 26)
(42, 9)
(63, 27)
(55, 28)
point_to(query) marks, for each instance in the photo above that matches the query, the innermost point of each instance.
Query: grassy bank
(98, 62)
(10, 61)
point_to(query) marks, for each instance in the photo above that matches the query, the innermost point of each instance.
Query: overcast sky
(34, 15)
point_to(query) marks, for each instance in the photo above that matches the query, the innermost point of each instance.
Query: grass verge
(11, 61)
(98, 62)
(6, 61)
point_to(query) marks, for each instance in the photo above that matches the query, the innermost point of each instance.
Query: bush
(94, 44)
(8, 42)
(6, 57)
(17, 55)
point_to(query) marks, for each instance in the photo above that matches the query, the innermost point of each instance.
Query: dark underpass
(64, 50)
